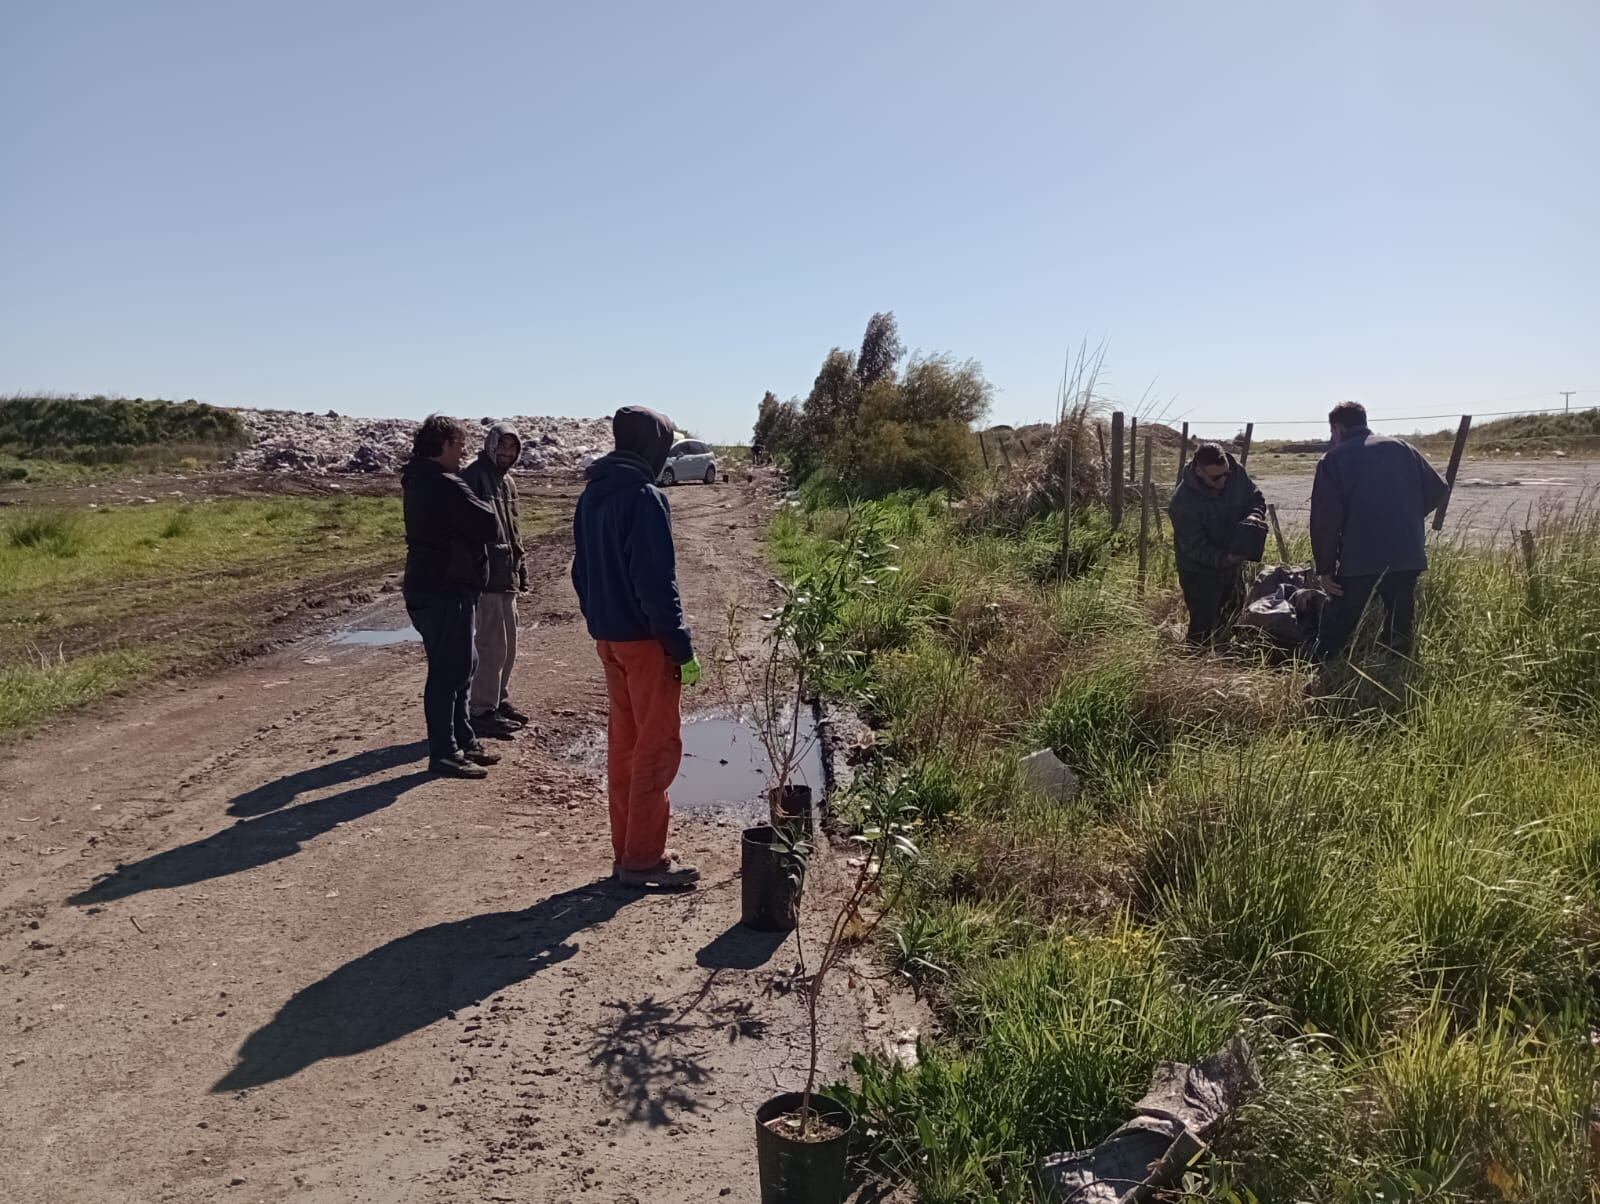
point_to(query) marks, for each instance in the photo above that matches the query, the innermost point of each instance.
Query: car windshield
(690, 447)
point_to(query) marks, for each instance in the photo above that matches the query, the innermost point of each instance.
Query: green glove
(689, 672)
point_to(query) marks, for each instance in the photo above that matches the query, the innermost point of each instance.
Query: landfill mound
(305, 442)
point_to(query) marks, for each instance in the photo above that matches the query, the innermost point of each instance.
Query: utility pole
(1566, 396)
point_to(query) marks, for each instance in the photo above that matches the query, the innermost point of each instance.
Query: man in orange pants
(625, 572)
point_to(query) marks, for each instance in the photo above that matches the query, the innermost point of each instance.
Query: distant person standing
(625, 572)
(1368, 505)
(448, 530)
(489, 476)
(1213, 499)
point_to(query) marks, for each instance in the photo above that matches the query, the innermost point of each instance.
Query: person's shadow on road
(248, 844)
(280, 792)
(416, 980)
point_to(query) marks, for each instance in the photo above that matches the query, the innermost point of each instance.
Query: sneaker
(479, 755)
(456, 767)
(507, 711)
(671, 873)
(490, 724)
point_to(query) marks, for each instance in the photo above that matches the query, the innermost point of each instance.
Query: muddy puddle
(725, 769)
(374, 637)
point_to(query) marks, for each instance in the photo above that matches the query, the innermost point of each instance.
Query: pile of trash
(1283, 607)
(292, 441)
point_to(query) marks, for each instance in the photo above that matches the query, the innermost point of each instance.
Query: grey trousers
(497, 650)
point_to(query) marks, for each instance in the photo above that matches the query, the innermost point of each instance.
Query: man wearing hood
(1213, 500)
(489, 476)
(625, 573)
(447, 565)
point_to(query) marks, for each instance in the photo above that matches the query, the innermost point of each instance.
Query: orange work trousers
(644, 746)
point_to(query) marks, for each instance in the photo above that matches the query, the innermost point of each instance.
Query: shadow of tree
(282, 791)
(248, 844)
(416, 980)
(652, 1058)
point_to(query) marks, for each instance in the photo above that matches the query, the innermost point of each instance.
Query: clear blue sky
(391, 208)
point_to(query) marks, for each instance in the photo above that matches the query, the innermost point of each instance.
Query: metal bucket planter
(790, 807)
(770, 881)
(797, 1171)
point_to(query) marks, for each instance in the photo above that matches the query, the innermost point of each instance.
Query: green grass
(29, 693)
(123, 593)
(1394, 893)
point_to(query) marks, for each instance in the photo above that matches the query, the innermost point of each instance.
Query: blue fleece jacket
(1368, 503)
(625, 570)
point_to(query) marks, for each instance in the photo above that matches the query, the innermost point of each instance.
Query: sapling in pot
(802, 1136)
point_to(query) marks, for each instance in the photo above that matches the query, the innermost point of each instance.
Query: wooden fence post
(1100, 434)
(984, 448)
(1183, 452)
(1533, 569)
(1144, 518)
(1277, 533)
(1455, 467)
(1133, 449)
(1116, 469)
(1249, 434)
(1066, 509)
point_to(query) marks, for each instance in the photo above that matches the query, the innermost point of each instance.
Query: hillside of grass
(37, 434)
(1393, 893)
(1577, 432)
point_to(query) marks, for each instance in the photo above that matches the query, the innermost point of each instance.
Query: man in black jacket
(625, 574)
(489, 476)
(448, 529)
(1213, 500)
(1368, 502)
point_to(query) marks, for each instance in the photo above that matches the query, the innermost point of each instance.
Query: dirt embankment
(252, 952)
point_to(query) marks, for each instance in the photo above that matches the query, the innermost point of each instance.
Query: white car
(690, 460)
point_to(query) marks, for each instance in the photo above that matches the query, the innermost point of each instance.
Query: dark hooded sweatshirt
(507, 572)
(624, 569)
(448, 530)
(1203, 522)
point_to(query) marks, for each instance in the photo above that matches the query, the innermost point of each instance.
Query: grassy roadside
(95, 601)
(1394, 894)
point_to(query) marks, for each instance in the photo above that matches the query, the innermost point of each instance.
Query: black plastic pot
(769, 882)
(802, 1172)
(790, 806)
(1249, 541)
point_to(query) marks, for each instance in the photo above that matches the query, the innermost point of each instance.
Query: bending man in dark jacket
(1213, 499)
(448, 530)
(1368, 503)
(489, 476)
(625, 573)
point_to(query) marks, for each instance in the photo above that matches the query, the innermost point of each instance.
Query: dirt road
(1491, 496)
(250, 951)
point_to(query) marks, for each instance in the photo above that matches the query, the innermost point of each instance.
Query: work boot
(479, 755)
(456, 767)
(507, 711)
(670, 873)
(490, 724)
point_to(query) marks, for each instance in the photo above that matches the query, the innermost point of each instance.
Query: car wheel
(711, 474)
(668, 477)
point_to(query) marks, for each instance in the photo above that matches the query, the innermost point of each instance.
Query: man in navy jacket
(625, 572)
(1368, 505)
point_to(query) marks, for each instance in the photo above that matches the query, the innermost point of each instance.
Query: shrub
(51, 532)
(179, 523)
